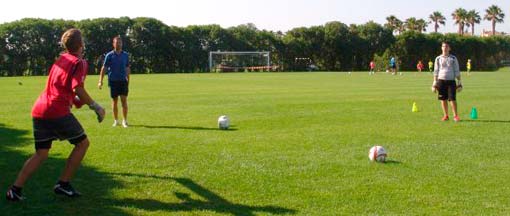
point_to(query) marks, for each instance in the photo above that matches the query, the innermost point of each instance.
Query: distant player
(446, 70)
(393, 66)
(431, 66)
(52, 118)
(372, 68)
(116, 64)
(420, 66)
(468, 66)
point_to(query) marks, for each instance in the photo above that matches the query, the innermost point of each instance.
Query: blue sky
(265, 14)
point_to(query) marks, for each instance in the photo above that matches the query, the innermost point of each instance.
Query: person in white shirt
(446, 70)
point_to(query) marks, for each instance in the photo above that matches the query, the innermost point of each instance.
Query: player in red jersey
(52, 117)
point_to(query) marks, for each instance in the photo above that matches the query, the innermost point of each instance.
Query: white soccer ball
(378, 154)
(223, 122)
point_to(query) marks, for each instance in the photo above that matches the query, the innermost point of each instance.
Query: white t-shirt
(446, 67)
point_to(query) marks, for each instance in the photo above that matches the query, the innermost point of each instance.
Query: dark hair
(117, 37)
(445, 42)
(71, 40)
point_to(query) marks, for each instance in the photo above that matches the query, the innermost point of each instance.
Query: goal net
(240, 61)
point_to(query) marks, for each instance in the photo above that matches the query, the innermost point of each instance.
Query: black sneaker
(14, 195)
(66, 189)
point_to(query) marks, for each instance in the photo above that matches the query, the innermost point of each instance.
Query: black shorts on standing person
(118, 88)
(447, 90)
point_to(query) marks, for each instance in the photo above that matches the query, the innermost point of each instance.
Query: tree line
(463, 18)
(30, 46)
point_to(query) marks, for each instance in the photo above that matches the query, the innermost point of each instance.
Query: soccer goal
(221, 61)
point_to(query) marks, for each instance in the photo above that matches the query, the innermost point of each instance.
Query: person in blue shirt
(393, 66)
(116, 65)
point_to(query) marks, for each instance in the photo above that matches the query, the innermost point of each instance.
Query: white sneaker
(115, 123)
(124, 123)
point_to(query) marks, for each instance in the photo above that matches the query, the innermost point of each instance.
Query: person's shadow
(213, 201)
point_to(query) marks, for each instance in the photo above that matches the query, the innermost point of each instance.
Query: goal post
(236, 61)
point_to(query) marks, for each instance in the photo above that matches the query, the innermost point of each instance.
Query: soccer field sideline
(298, 145)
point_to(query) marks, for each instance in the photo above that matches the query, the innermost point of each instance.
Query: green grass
(299, 146)
(504, 69)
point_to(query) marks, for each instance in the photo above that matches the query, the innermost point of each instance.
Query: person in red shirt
(372, 68)
(420, 66)
(52, 117)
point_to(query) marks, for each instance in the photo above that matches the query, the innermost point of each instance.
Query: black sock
(63, 183)
(16, 188)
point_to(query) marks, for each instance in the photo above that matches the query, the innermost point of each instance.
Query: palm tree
(472, 18)
(421, 25)
(437, 18)
(411, 24)
(400, 26)
(459, 15)
(392, 22)
(467, 26)
(495, 15)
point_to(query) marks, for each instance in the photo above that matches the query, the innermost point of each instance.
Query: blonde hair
(71, 40)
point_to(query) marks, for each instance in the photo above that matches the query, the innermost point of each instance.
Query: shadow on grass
(97, 187)
(392, 162)
(486, 121)
(214, 202)
(16, 146)
(180, 127)
(10, 159)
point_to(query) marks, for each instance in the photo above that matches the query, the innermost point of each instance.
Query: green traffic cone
(474, 113)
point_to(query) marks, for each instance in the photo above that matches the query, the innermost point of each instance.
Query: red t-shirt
(372, 65)
(67, 73)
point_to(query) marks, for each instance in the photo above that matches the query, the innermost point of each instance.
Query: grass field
(298, 146)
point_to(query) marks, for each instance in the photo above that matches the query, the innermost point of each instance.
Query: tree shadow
(486, 121)
(180, 127)
(10, 139)
(214, 202)
(96, 186)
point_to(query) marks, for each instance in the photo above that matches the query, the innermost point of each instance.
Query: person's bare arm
(436, 74)
(128, 73)
(101, 76)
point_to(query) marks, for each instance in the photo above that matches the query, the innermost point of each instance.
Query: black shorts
(64, 128)
(447, 90)
(118, 88)
(393, 66)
